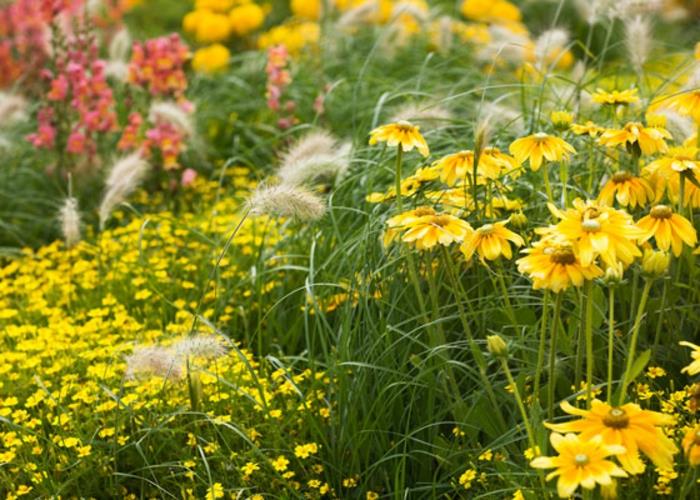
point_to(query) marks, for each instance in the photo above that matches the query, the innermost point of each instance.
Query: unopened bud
(497, 346)
(561, 119)
(655, 263)
(518, 220)
(614, 274)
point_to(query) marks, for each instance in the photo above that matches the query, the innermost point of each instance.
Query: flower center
(564, 255)
(486, 229)
(581, 459)
(441, 220)
(540, 135)
(590, 225)
(616, 418)
(423, 211)
(661, 212)
(405, 126)
(620, 177)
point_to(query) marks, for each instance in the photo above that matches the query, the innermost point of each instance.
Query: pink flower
(188, 177)
(76, 142)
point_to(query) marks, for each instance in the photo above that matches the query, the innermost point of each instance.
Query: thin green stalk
(633, 342)
(564, 178)
(506, 298)
(589, 342)
(591, 167)
(547, 186)
(399, 161)
(521, 405)
(611, 338)
(540, 350)
(659, 322)
(553, 355)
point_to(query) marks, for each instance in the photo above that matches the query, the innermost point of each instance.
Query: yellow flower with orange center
(694, 367)
(581, 462)
(668, 229)
(402, 133)
(491, 241)
(589, 128)
(627, 425)
(650, 140)
(691, 445)
(616, 97)
(665, 173)
(598, 230)
(426, 228)
(554, 266)
(455, 167)
(627, 190)
(534, 148)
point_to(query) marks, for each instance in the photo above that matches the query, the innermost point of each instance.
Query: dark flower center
(616, 418)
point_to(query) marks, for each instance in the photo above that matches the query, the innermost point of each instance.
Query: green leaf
(639, 364)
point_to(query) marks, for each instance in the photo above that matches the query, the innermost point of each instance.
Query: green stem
(521, 405)
(547, 186)
(633, 342)
(611, 339)
(506, 298)
(564, 178)
(591, 167)
(540, 350)
(589, 343)
(553, 356)
(659, 322)
(399, 161)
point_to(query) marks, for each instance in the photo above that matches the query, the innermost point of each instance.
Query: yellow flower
(655, 262)
(665, 173)
(668, 229)
(691, 446)
(466, 479)
(581, 462)
(491, 241)
(305, 450)
(615, 97)
(401, 133)
(538, 146)
(694, 367)
(589, 128)
(426, 231)
(211, 59)
(208, 26)
(626, 425)
(246, 18)
(308, 9)
(687, 103)
(455, 167)
(650, 140)
(627, 190)
(554, 266)
(597, 230)
(249, 468)
(280, 463)
(561, 119)
(498, 11)
(215, 491)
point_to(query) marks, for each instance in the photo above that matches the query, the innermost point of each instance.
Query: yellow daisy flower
(538, 146)
(664, 173)
(581, 462)
(627, 190)
(455, 167)
(687, 103)
(589, 128)
(402, 133)
(615, 97)
(491, 241)
(596, 229)
(627, 425)
(694, 367)
(668, 229)
(426, 228)
(554, 266)
(691, 446)
(649, 139)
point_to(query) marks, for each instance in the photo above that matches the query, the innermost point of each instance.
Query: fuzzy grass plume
(285, 200)
(123, 178)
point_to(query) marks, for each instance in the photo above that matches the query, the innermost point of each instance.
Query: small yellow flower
(403, 134)
(650, 140)
(616, 97)
(466, 479)
(694, 367)
(670, 230)
(280, 463)
(249, 468)
(534, 148)
(580, 463)
(215, 491)
(491, 241)
(305, 450)
(691, 446)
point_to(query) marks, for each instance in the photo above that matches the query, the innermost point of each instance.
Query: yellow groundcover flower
(598, 230)
(491, 241)
(581, 462)
(694, 367)
(491, 11)
(538, 146)
(627, 425)
(404, 133)
(691, 446)
(649, 139)
(627, 189)
(668, 229)
(615, 97)
(554, 266)
(246, 18)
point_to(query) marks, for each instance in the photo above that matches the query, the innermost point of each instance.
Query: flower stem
(521, 405)
(589, 342)
(633, 342)
(611, 339)
(547, 186)
(553, 356)
(540, 350)
(399, 161)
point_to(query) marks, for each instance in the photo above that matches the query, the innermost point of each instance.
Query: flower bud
(518, 220)
(614, 274)
(496, 346)
(561, 119)
(655, 263)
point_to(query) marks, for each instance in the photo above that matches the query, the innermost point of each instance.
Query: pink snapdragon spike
(188, 177)
(131, 133)
(278, 79)
(158, 66)
(166, 138)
